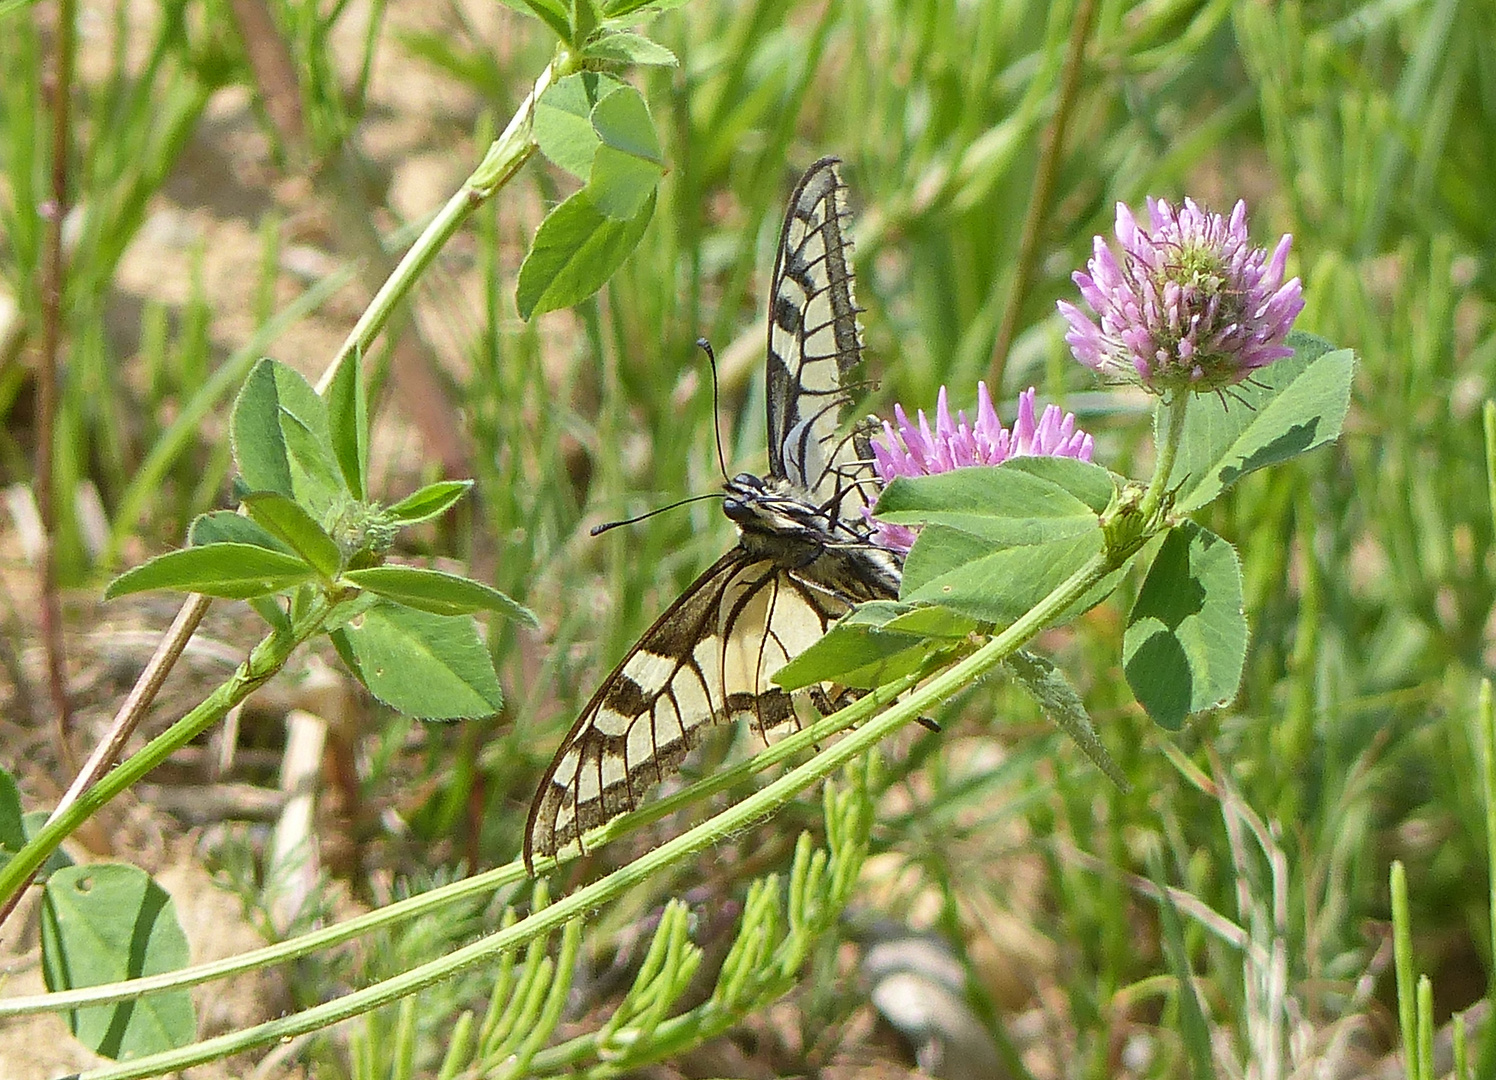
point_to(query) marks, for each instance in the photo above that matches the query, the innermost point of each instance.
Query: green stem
(267, 658)
(1486, 718)
(505, 156)
(1168, 450)
(485, 884)
(731, 821)
(1402, 964)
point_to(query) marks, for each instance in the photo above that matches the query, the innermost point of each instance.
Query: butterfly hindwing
(709, 658)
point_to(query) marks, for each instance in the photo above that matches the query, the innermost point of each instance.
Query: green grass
(1368, 132)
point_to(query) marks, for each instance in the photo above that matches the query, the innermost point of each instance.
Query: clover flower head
(911, 449)
(1189, 305)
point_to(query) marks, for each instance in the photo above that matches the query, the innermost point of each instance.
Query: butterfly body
(804, 556)
(776, 520)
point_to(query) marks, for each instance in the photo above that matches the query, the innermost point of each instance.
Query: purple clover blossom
(1191, 305)
(914, 450)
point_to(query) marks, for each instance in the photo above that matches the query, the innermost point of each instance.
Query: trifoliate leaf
(106, 922)
(1186, 637)
(433, 667)
(1287, 408)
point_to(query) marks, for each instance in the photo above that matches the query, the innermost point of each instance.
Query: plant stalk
(718, 829)
(485, 884)
(1168, 450)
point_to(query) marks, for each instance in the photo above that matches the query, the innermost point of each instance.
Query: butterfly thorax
(776, 520)
(774, 517)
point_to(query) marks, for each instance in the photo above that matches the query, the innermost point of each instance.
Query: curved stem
(505, 156)
(715, 830)
(485, 884)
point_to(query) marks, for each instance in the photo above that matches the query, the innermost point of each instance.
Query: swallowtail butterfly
(804, 554)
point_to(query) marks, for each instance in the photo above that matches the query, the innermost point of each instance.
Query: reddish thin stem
(59, 87)
(127, 718)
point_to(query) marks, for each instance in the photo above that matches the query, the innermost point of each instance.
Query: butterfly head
(772, 508)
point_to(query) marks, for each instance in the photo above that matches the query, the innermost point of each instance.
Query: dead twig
(128, 717)
(58, 88)
(1044, 176)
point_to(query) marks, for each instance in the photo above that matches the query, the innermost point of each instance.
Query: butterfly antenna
(598, 530)
(706, 346)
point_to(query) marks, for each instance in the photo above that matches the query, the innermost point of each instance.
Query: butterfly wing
(711, 657)
(815, 348)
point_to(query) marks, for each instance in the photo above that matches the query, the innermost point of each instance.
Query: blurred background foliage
(228, 179)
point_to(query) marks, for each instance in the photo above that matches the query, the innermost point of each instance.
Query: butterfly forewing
(803, 557)
(814, 347)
